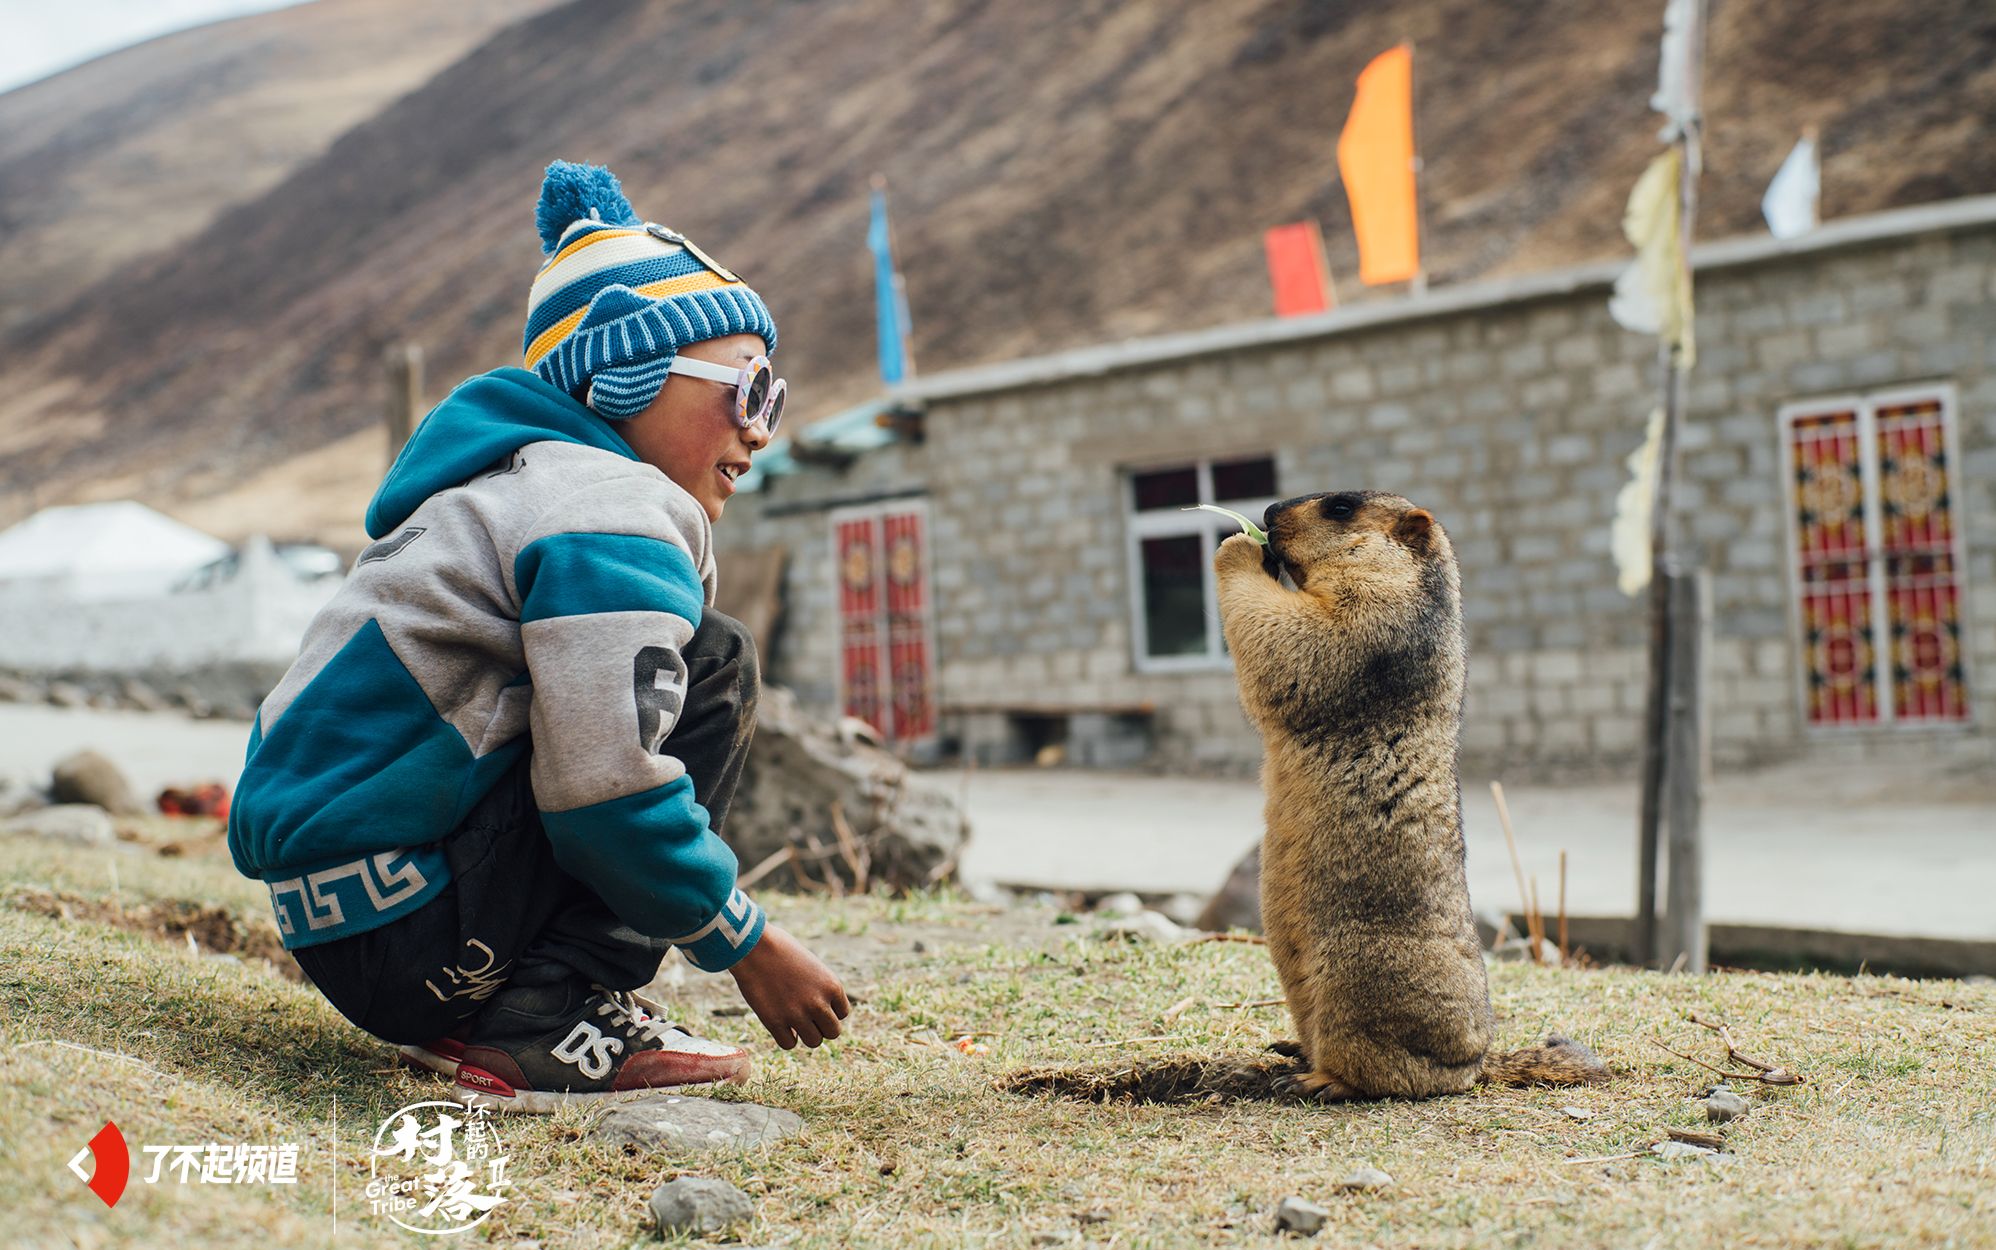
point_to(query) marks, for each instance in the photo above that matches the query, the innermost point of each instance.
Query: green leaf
(1247, 527)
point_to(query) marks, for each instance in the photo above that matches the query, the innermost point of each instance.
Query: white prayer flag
(1676, 90)
(1790, 204)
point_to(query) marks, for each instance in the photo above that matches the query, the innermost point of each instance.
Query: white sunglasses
(759, 393)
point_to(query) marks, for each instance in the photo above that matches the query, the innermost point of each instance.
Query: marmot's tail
(1225, 1078)
(1555, 1061)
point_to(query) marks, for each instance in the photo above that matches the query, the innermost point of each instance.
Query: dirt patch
(213, 929)
(1224, 1078)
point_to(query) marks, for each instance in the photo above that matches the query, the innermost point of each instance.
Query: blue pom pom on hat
(619, 296)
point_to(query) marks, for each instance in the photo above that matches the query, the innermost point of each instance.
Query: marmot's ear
(1416, 530)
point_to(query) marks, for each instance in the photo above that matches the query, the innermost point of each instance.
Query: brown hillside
(1062, 173)
(158, 138)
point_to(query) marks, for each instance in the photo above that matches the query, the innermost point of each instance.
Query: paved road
(1804, 847)
(153, 748)
(1823, 847)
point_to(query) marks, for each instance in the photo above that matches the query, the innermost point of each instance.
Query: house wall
(1510, 417)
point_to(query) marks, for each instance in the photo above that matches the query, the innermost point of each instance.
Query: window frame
(1210, 527)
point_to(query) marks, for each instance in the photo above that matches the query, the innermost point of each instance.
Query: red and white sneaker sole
(442, 1056)
(477, 1088)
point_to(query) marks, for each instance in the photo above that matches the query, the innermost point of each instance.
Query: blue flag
(890, 307)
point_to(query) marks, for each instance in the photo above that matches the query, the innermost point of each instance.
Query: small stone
(79, 824)
(1182, 909)
(1681, 1150)
(674, 1122)
(88, 777)
(699, 1205)
(1365, 1178)
(1123, 904)
(17, 797)
(1979, 979)
(1300, 1216)
(1145, 926)
(1724, 1106)
(15, 690)
(1519, 951)
(1577, 1113)
(137, 694)
(68, 694)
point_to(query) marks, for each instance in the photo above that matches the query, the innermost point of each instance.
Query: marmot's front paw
(1238, 552)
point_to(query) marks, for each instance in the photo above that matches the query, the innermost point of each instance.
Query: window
(1876, 558)
(1176, 621)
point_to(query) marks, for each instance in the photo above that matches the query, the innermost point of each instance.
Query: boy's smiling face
(689, 432)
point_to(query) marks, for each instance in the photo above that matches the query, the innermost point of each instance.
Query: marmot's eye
(1338, 509)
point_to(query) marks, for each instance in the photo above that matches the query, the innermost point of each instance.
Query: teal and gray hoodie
(532, 580)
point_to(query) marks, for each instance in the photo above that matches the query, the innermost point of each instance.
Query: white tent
(102, 551)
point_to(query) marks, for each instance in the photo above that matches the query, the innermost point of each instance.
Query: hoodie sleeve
(611, 588)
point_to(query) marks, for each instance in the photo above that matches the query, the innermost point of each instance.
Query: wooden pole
(1690, 622)
(1517, 865)
(404, 365)
(1657, 728)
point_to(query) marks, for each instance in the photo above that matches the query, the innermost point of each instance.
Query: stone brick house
(995, 559)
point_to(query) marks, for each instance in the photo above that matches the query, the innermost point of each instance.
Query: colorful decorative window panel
(1877, 561)
(886, 657)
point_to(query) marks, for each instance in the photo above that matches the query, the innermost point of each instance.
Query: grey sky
(38, 38)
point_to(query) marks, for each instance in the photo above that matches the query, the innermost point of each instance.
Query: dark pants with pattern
(511, 921)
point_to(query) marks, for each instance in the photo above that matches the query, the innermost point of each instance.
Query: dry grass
(1892, 1141)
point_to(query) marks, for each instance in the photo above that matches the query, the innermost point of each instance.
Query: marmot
(1355, 680)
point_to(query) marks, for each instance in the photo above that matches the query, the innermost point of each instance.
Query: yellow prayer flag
(1653, 295)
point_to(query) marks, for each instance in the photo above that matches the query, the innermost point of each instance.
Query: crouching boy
(488, 796)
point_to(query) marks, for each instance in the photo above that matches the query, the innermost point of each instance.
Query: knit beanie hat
(618, 297)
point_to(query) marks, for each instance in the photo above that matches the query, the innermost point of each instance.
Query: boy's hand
(791, 991)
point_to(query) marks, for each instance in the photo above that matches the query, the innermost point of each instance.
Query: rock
(1367, 1177)
(1237, 904)
(1723, 1106)
(678, 1122)
(68, 694)
(14, 690)
(1123, 904)
(1518, 950)
(1182, 909)
(137, 694)
(698, 1205)
(1145, 926)
(799, 768)
(80, 824)
(1300, 1216)
(87, 777)
(1577, 1113)
(18, 796)
(1681, 1150)
(1980, 979)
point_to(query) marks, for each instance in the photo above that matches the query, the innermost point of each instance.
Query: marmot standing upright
(1355, 680)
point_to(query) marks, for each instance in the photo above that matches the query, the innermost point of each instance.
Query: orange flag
(1296, 269)
(1376, 161)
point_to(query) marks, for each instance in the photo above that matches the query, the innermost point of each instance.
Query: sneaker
(441, 1056)
(613, 1047)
